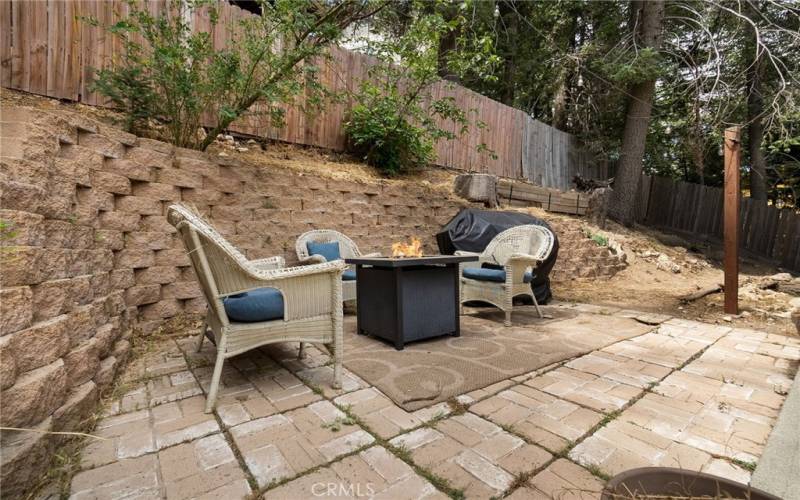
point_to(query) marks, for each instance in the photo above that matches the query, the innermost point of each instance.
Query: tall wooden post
(731, 219)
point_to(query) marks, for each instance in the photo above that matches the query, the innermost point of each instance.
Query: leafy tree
(574, 64)
(175, 74)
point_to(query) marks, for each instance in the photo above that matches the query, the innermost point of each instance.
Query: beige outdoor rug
(435, 370)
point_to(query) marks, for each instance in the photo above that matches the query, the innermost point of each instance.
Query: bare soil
(662, 268)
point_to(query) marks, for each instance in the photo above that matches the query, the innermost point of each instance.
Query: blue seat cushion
(328, 250)
(488, 274)
(349, 275)
(261, 304)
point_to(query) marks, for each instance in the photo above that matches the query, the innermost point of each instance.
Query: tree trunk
(755, 127)
(697, 143)
(447, 44)
(510, 17)
(565, 76)
(649, 16)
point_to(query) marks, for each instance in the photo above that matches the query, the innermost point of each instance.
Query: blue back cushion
(489, 274)
(261, 304)
(349, 275)
(328, 250)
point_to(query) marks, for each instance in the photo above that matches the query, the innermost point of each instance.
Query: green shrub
(386, 140)
(600, 239)
(397, 119)
(171, 73)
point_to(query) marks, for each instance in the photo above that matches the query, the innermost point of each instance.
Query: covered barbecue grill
(472, 230)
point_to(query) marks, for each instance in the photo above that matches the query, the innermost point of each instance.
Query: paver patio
(686, 394)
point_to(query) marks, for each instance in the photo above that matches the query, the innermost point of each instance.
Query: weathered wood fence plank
(693, 209)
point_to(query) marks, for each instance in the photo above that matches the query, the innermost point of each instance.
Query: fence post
(731, 219)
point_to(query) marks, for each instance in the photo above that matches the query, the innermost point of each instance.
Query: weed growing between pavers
(337, 423)
(440, 483)
(597, 472)
(456, 407)
(519, 481)
(745, 464)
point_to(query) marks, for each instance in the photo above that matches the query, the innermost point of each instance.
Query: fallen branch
(691, 297)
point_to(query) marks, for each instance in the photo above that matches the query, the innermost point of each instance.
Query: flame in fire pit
(413, 249)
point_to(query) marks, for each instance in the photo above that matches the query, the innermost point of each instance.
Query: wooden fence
(696, 210)
(551, 158)
(46, 49)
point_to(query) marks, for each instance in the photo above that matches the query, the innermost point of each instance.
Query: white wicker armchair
(347, 249)
(519, 250)
(312, 296)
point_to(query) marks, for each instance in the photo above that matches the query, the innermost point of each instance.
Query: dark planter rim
(671, 474)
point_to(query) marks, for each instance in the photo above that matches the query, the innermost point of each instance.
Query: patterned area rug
(431, 371)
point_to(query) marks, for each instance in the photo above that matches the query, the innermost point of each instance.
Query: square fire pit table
(402, 299)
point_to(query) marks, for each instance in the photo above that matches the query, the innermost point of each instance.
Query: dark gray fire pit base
(403, 300)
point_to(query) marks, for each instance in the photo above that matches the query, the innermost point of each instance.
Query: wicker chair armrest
(373, 254)
(285, 273)
(275, 262)
(462, 253)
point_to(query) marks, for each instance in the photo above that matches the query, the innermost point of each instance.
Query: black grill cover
(471, 230)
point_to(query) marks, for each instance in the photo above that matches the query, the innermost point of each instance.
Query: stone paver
(691, 395)
(472, 453)
(598, 393)
(620, 369)
(720, 406)
(157, 377)
(383, 416)
(167, 359)
(562, 480)
(203, 468)
(320, 377)
(133, 478)
(255, 371)
(542, 418)
(134, 434)
(284, 445)
(372, 473)
(206, 466)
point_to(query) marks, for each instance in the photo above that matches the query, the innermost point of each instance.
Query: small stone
(727, 318)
